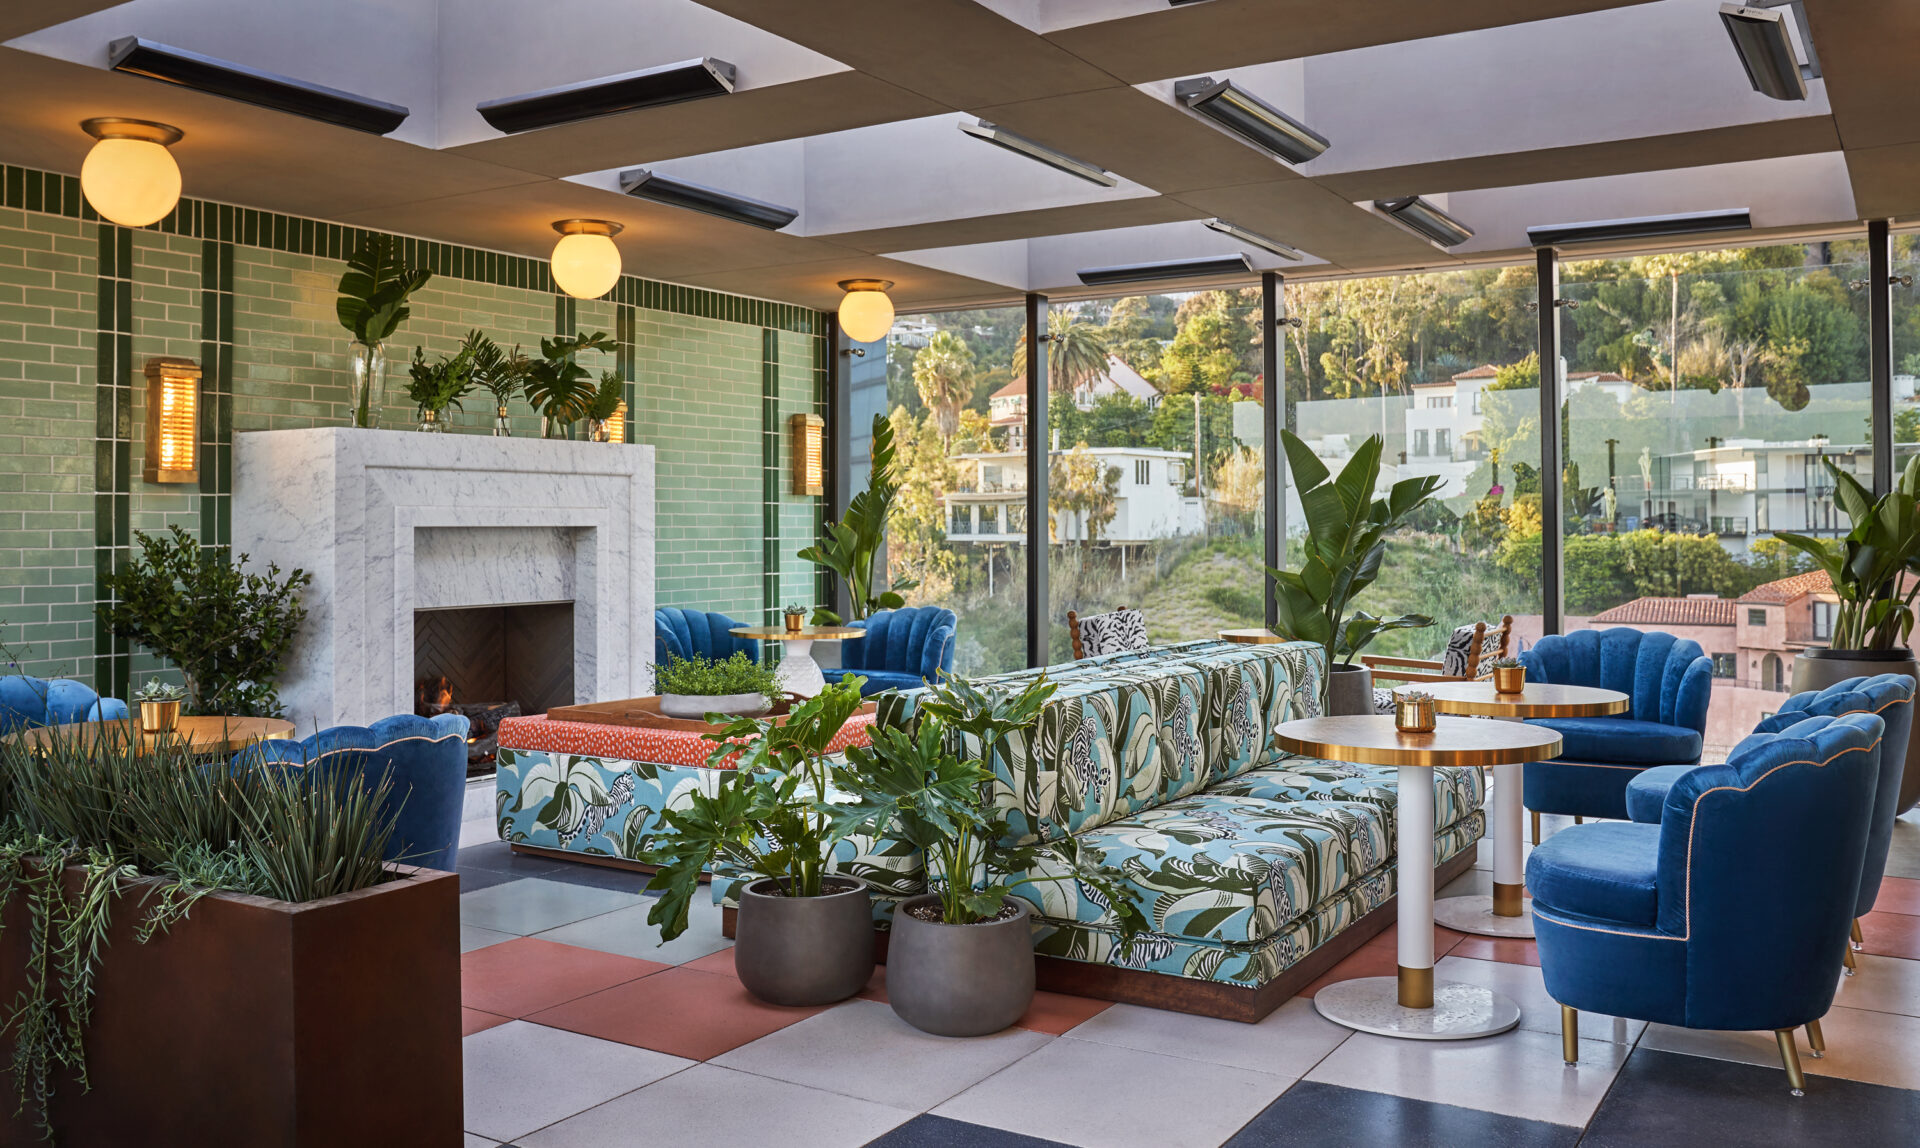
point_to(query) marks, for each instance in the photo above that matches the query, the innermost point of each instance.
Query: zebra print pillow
(1112, 632)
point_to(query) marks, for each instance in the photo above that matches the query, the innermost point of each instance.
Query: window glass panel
(1706, 392)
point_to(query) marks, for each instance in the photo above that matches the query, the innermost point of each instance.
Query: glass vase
(369, 363)
(600, 430)
(502, 426)
(431, 422)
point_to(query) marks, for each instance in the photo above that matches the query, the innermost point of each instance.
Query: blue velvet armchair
(29, 702)
(695, 633)
(1732, 913)
(427, 758)
(1888, 695)
(1668, 680)
(903, 650)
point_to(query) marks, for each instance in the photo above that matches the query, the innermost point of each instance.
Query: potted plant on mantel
(603, 404)
(499, 373)
(434, 387)
(373, 303)
(558, 386)
(960, 959)
(804, 937)
(1874, 623)
(1346, 541)
(694, 687)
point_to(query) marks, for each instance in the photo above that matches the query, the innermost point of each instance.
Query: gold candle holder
(1414, 713)
(1509, 679)
(159, 717)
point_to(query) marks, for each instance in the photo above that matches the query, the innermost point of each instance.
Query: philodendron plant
(1347, 529)
(1867, 564)
(910, 785)
(773, 812)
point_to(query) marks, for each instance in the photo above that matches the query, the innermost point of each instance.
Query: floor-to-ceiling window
(1707, 393)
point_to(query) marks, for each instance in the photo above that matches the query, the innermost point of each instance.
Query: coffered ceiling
(1507, 113)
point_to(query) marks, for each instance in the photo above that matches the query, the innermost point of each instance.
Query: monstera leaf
(375, 289)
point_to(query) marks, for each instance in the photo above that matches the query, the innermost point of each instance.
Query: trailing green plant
(772, 813)
(81, 820)
(710, 677)
(374, 291)
(228, 629)
(1347, 530)
(159, 690)
(438, 385)
(607, 397)
(911, 785)
(852, 545)
(1866, 567)
(557, 385)
(499, 373)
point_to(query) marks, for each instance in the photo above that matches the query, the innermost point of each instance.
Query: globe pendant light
(585, 262)
(866, 314)
(129, 177)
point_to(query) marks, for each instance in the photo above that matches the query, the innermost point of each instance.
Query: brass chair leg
(1579, 820)
(1536, 827)
(1790, 1056)
(1859, 941)
(1570, 1035)
(1816, 1041)
(1846, 958)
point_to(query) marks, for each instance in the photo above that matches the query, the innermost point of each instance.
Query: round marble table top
(1374, 740)
(1537, 700)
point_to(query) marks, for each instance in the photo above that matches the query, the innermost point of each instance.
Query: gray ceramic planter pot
(959, 980)
(804, 950)
(1818, 669)
(1349, 690)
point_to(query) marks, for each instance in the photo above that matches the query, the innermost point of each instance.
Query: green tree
(1082, 485)
(943, 374)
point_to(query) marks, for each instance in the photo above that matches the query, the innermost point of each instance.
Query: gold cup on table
(159, 706)
(796, 617)
(1413, 712)
(1509, 676)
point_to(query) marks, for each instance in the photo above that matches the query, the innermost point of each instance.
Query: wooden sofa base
(1202, 998)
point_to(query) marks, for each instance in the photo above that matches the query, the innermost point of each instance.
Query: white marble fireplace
(389, 522)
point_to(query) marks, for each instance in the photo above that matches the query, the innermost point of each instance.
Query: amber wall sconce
(809, 462)
(173, 420)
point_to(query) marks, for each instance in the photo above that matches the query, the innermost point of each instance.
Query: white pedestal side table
(797, 672)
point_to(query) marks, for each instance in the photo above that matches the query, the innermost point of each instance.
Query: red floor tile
(1513, 952)
(1891, 934)
(876, 989)
(1055, 1013)
(472, 1020)
(720, 962)
(1369, 961)
(1898, 895)
(525, 975)
(1443, 940)
(680, 1012)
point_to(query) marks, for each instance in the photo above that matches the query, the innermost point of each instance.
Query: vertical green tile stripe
(112, 445)
(624, 358)
(770, 472)
(216, 394)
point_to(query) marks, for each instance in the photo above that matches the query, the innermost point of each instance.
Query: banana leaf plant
(1346, 541)
(852, 545)
(557, 385)
(911, 786)
(374, 291)
(774, 812)
(1866, 566)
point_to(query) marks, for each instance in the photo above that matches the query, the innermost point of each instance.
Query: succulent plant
(1504, 664)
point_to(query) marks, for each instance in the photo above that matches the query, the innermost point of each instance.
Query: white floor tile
(474, 937)
(1288, 1042)
(712, 1107)
(862, 1049)
(1538, 1011)
(1875, 1047)
(480, 1142)
(626, 932)
(1883, 984)
(522, 1076)
(1103, 1096)
(533, 905)
(1518, 1073)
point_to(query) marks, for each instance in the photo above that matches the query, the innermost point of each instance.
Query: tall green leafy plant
(497, 372)
(557, 385)
(374, 291)
(438, 385)
(911, 785)
(852, 545)
(1866, 566)
(228, 629)
(773, 813)
(1346, 541)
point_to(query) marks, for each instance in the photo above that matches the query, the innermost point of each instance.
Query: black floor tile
(1672, 1098)
(1315, 1115)
(939, 1132)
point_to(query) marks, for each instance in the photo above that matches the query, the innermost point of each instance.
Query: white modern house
(988, 505)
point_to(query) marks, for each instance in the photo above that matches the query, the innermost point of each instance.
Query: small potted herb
(695, 687)
(604, 404)
(1413, 711)
(960, 959)
(499, 373)
(1509, 675)
(434, 387)
(804, 936)
(159, 706)
(796, 616)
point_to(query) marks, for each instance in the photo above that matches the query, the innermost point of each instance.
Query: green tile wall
(250, 295)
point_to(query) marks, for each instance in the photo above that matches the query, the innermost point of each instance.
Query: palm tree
(943, 371)
(1076, 355)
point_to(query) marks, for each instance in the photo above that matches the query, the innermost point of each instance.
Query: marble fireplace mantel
(388, 522)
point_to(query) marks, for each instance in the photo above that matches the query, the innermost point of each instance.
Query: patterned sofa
(1252, 865)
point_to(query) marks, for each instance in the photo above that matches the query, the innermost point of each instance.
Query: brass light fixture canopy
(606, 227)
(866, 285)
(121, 128)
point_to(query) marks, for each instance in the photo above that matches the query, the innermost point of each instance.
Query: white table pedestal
(1480, 914)
(797, 672)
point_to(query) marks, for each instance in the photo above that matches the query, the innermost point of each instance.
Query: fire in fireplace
(491, 663)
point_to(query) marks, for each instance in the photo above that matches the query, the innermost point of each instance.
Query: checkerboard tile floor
(582, 1031)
